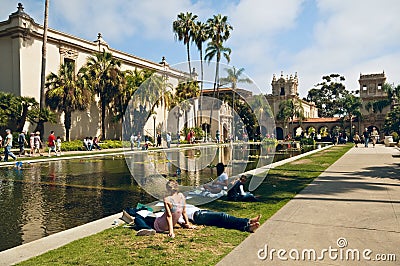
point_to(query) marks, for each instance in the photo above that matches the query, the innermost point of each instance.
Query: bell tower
(285, 86)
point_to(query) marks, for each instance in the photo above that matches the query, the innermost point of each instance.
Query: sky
(311, 37)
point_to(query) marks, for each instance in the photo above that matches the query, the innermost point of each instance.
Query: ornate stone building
(21, 40)
(286, 88)
(371, 93)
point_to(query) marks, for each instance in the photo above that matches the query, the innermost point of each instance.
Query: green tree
(132, 80)
(392, 121)
(200, 35)
(328, 95)
(151, 93)
(183, 28)
(185, 92)
(40, 124)
(233, 78)
(102, 74)
(66, 94)
(289, 110)
(393, 93)
(351, 108)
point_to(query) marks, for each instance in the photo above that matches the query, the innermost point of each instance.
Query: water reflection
(44, 198)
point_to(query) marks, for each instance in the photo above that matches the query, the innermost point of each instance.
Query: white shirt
(190, 210)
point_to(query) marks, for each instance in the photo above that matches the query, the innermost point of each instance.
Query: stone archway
(279, 133)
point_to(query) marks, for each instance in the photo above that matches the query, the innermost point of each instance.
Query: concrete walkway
(352, 208)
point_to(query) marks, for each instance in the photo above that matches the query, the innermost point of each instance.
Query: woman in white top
(220, 183)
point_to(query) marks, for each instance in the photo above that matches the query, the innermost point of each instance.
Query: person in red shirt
(51, 142)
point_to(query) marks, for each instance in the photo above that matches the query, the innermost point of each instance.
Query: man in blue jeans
(199, 217)
(7, 146)
(221, 219)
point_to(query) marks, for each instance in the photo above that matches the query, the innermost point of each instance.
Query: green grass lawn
(204, 245)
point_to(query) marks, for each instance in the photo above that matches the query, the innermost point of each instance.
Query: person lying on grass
(220, 219)
(196, 216)
(175, 207)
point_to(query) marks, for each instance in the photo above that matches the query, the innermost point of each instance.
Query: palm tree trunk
(103, 118)
(201, 85)
(67, 124)
(22, 120)
(214, 90)
(40, 125)
(188, 54)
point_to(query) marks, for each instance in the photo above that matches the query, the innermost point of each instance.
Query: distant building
(20, 68)
(372, 96)
(286, 88)
(371, 93)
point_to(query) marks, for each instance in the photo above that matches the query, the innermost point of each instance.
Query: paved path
(355, 203)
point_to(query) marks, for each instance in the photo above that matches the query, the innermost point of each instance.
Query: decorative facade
(21, 40)
(374, 100)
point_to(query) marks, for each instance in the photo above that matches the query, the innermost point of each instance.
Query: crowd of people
(34, 144)
(91, 143)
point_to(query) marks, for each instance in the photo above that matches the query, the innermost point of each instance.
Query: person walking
(132, 141)
(168, 139)
(32, 144)
(356, 139)
(38, 143)
(374, 136)
(139, 139)
(158, 139)
(51, 142)
(21, 142)
(8, 145)
(366, 136)
(58, 146)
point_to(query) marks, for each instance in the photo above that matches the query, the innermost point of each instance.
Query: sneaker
(146, 232)
(126, 217)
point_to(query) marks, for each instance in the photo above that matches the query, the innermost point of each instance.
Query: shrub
(307, 141)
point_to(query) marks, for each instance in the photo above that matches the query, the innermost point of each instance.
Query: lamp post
(154, 118)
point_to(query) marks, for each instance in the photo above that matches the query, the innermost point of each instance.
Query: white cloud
(348, 37)
(351, 34)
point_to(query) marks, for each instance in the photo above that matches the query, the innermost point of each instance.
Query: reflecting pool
(40, 199)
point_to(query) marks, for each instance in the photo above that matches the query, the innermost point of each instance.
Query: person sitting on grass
(96, 143)
(220, 183)
(175, 207)
(237, 193)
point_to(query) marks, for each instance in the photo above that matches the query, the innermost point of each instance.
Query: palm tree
(43, 69)
(185, 93)
(104, 77)
(351, 107)
(259, 105)
(151, 93)
(289, 110)
(218, 30)
(200, 35)
(234, 78)
(214, 49)
(183, 28)
(64, 94)
(132, 81)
